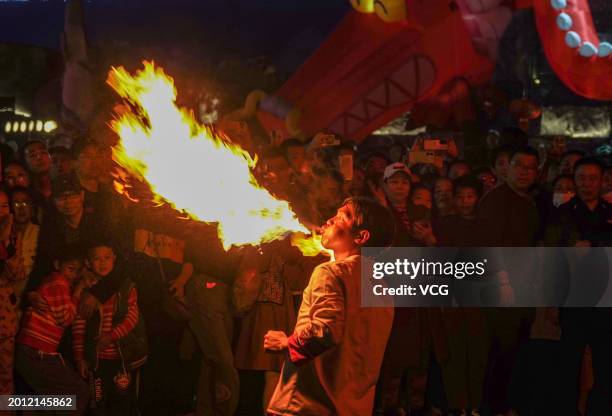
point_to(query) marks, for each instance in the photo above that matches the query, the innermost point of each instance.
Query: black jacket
(575, 221)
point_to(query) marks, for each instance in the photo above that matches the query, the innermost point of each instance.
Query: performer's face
(339, 231)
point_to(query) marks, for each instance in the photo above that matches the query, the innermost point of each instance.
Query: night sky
(210, 27)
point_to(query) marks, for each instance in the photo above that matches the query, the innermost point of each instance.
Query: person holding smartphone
(394, 194)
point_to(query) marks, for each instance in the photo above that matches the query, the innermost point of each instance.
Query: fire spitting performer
(336, 350)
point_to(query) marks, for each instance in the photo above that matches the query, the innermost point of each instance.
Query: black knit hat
(66, 184)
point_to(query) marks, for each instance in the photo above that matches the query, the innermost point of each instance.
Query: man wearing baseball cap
(68, 224)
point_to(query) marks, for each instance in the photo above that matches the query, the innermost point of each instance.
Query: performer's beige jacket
(337, 347)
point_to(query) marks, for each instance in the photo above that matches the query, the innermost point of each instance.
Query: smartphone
(418, 213)
(426, 157)
(435, 144)
(329, 140)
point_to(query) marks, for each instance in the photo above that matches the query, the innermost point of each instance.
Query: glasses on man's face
(21, 204)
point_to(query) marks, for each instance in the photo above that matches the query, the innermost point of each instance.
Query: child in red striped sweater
(36, 356)
(97, 340)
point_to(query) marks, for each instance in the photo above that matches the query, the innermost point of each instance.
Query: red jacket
(44, 331)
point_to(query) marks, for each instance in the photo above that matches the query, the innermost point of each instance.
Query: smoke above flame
(193, 168)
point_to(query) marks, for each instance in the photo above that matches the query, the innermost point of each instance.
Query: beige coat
(341, 380)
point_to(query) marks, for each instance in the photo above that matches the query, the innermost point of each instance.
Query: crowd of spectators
(134, 309)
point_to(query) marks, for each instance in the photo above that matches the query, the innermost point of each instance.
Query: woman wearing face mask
(564, 189)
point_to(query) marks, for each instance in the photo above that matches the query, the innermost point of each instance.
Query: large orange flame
(191, 167)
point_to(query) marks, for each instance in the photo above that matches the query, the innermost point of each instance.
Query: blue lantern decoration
(564, 21)
(572, 39)
(558, 4)
(605, 49)
(588, 49)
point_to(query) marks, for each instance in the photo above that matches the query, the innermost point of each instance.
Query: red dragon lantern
(386, 56)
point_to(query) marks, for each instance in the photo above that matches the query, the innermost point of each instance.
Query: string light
(49, 126)
(18, 127)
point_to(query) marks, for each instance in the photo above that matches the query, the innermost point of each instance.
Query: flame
(310, 245)
(188, 165)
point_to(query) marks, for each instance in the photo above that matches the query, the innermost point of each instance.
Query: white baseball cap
(393, 168)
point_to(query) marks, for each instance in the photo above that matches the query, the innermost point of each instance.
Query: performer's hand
(275, 341)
